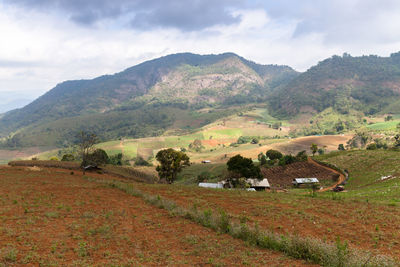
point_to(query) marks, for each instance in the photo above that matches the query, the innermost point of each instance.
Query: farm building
(258, 185)
(206, 161)
(212, 185)
(304, 181)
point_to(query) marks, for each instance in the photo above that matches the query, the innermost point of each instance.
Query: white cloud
(39, 50)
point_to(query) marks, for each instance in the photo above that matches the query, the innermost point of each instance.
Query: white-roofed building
(304, 181)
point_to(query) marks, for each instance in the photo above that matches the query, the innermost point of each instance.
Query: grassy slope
(366, 168)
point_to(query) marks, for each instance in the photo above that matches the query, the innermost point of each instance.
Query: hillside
(138, 101)
(369, 84)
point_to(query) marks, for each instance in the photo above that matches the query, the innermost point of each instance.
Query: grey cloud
(144, 14)
(17, 64)
(339, 21)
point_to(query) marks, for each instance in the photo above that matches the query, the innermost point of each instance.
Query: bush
(140, 161)
(274, 154)
(68, 157)
(54, 158)
(287, 159)
(116, 159)
(301, 156)
(372, 146)
(204, 176)
(341, 147)
(244, 140)
(98, 157)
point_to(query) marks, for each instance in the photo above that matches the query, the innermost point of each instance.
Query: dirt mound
(282, 176)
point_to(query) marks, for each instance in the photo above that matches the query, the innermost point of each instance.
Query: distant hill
(144, 100)
(370, 84)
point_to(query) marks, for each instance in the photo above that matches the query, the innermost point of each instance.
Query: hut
(297, 182)
(258, 185)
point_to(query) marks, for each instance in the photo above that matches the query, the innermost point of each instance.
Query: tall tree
(86, 142)
(314, 148)
(171, 163)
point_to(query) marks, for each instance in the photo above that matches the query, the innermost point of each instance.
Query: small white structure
(212, 185)
(304, 181)
(206, 161)
(258, 185)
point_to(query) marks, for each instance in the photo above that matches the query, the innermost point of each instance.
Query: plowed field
(50, 217)
(363, 225)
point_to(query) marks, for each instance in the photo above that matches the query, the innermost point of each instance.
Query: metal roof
(211, 185)
(258, 183)
(305, 180)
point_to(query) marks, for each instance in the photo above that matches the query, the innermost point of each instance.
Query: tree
(97, 158)
(314, 148)
(389, 118)
(68, 157)
(262, 159)
(397, 140)
(301, 156)
(287, 159)
(171, 163)
(244, 167)
(341, 147)
(273, 154)
(116, 159)
(86, 142)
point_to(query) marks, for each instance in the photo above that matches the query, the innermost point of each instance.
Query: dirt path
(341, 179)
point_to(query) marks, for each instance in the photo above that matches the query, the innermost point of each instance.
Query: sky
(45, 42)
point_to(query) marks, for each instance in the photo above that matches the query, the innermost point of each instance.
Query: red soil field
(52, 217)
(363, 225)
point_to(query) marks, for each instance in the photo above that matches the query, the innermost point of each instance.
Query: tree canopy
(171, 163)
(243, 166)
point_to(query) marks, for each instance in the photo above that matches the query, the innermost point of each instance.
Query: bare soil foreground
(365, 226)
(50, 217)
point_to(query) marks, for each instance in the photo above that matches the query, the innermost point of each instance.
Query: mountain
(143, 100)
(369, 84)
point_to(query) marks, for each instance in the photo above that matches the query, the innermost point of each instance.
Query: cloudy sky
(44, 42)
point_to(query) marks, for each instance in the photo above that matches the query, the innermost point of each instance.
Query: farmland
(365, 217)
(50, 217)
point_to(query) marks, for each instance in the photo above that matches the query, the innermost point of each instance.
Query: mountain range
(183, 91)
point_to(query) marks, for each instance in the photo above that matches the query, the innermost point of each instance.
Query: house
(258, 185)
(206, 161)
(297, 182)
(212, 185)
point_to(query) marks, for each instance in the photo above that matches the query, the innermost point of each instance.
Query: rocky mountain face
(181, 81)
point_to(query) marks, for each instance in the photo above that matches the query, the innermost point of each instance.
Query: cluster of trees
(274, 157)
(364, 139)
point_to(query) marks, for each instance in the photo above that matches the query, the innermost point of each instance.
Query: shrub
(341, 147)
(116, 159)
(140, 161)
(274, 154)
(98, 157)
(204, 176)
(287, 159)
(301, 156)
(372, 146)
(54, 158)
(68, 157)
